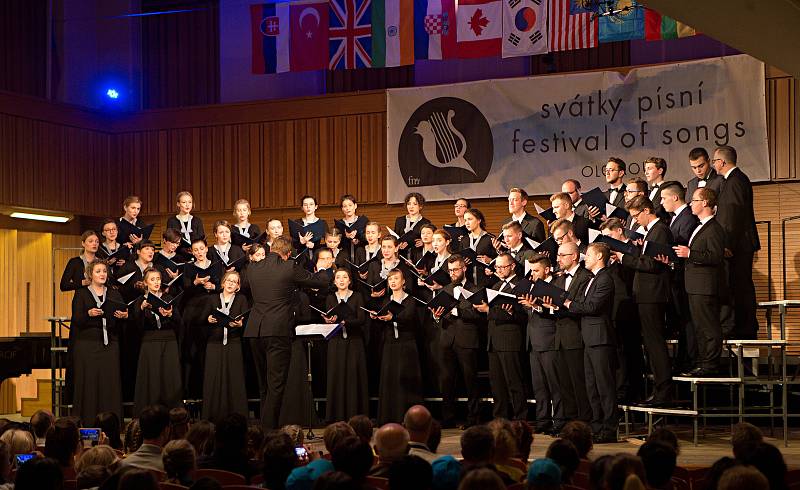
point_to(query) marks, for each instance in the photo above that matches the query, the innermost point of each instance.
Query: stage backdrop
(478, 139)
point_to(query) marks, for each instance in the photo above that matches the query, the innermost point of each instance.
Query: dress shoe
(653, 402)
(605, 439)
(700, 372)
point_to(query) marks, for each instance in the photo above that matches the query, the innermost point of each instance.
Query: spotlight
(112, 93)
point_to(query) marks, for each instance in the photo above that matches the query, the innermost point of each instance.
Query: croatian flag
(350, 34)
(434, 29)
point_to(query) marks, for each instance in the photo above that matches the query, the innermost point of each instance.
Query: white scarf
(100, 305)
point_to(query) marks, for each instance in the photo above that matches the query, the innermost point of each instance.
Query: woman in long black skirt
(401, 380)
(224, 390)
(347, 360)
(158, 376)
(95, 348)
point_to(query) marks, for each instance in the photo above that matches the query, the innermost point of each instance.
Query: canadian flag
(480, 28)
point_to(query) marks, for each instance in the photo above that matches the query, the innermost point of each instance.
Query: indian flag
(392, 33)
(659, 27)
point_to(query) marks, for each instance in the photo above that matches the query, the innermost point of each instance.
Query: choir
(562, 318)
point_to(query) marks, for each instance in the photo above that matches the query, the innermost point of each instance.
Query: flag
(626, 21)
(350, 34)
(434, 29)
(480, 28)
(571, 26)
(309, 35)
(659, 27)
(392, 32)
(524, 27)
(270, 32)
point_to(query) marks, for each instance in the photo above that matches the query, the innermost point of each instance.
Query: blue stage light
(112, 93)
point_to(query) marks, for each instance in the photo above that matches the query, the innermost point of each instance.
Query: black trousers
(546, 390)
(744, 295)
(652, 318)
(630, 359)
(458, 361)
(705, 312)
(601, 387)
(508, 388)
(684, 324)
(271, 356)
(571, 379)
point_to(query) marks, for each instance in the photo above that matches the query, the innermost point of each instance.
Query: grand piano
(20, 355)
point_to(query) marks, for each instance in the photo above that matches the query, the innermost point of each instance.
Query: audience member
(767, 459)
(5, 467)
(138, 479)
(362, 425)
(303, 477)
(154, 426)
(523, 435)
(18, 441)
(97, 456)
(580, 435)
(180, 461)
(40, 474)
(230, 447)
(296, 433)
(598, 471)
(178, 423)
(742, 477)
(255, 440)
(92, 476)
(417, 422)
(565, 455)
(544, 474)
(743, 436)
(63, 443)
(626, 473)
(109, 423)
(354, 457)
(717, 469)
(505, 449)
(280, 459)
(391, 444)
(666, 436)
(446, 473)
(477, 446)
(436, 436)
(335, 480)
(41, 421)
(481, 478)
(133, 436)
(201, 436)
(659, 460)
(112, 482)
(334, 433)
(410, 472)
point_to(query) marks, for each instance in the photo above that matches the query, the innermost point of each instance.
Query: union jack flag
(350, 34)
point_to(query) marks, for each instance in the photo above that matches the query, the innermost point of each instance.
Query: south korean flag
(524, 27)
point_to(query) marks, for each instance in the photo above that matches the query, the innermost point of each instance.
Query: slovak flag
(270, 32)
(290, 36)
(480, 28)
(309, 46)
(350, 34)
(435, 29)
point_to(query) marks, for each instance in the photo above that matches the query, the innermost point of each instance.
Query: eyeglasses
(558, 239)
(609, 170)
(498, 266)
(455, 269)
(634, 216)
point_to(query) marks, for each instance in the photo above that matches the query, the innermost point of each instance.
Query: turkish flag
(309, 41)
(480, 28)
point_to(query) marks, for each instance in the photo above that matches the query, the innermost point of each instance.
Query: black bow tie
(568, 274)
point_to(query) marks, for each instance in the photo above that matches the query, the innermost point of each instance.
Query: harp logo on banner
(445, 141)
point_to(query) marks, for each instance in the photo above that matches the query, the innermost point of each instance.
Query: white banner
(478, 139)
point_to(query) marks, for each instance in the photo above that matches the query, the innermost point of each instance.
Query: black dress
(224, 390)
(195, 327)
(234, 253)
(347, 364)
(252, 231)
(347, 245)
(401, 379)
(96, 364)
(126, 229)
(158, 377)
(483, 246)
(74, 274)
(120, 253)
(195, 225)
(400, 229)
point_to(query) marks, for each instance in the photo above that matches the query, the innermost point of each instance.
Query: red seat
(68, 473)
(171, 486)
(680, 484)
(517, 486)
(378, 482)
(70, 485)
(257, 480)
(580, 479)
(220, 476)
(240, 487)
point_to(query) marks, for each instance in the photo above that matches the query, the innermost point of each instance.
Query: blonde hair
(245, 202)
(19, 441)
(179, 458)
(130, 200)
(98, 455)
(231, 273)
(505, 445)
(182, 194)
(221, 222)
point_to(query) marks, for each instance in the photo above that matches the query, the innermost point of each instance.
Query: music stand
(310, 333)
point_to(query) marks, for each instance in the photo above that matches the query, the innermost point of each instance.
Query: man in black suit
(458, 343)
(572, 187)
(704, 174)
(531, 225)
(513, 243)
(563, 231)
(634, 187)
(704, 257)
(614, 173)
(273, 282)
(735, 214)
(540, 342)
(594, 305)
(505, 343)
(681, 224)
(562, 208)
(568, 341)
(655, 169)
(651, 291)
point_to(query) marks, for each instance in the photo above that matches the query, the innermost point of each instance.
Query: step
(43, 400)
(659, 411)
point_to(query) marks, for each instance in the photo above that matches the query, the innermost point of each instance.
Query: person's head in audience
(505, 446)
(768, 460)
(477, 445)
(626, 472)
(303, 476)
(231, 436)
(744, 435)
(523, 435)
(18, 441)
(335, 480)
(178, 423)
(580, 435)
(63, 442)
(41, 421)
(435, 438)
(544, 474)
(659, 460)
(741, 477)
(201, 436)
(716, 470)
(446, 473)
(206, 483)
(180, 461)
(598, 471)
(352, 456)
(109, 423)
(138, 479)
(5, 463)
(362, 425)
(154, 424)
(133, 436)
(279, 459)
(410, 472)
(296, 433)
(92, 476)
(97, 456)
(255, 440)
(563, 452)
(334, 433)
(391, 442)
(666, 436)
(417, 422)
(39, 474)
(481, 478)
